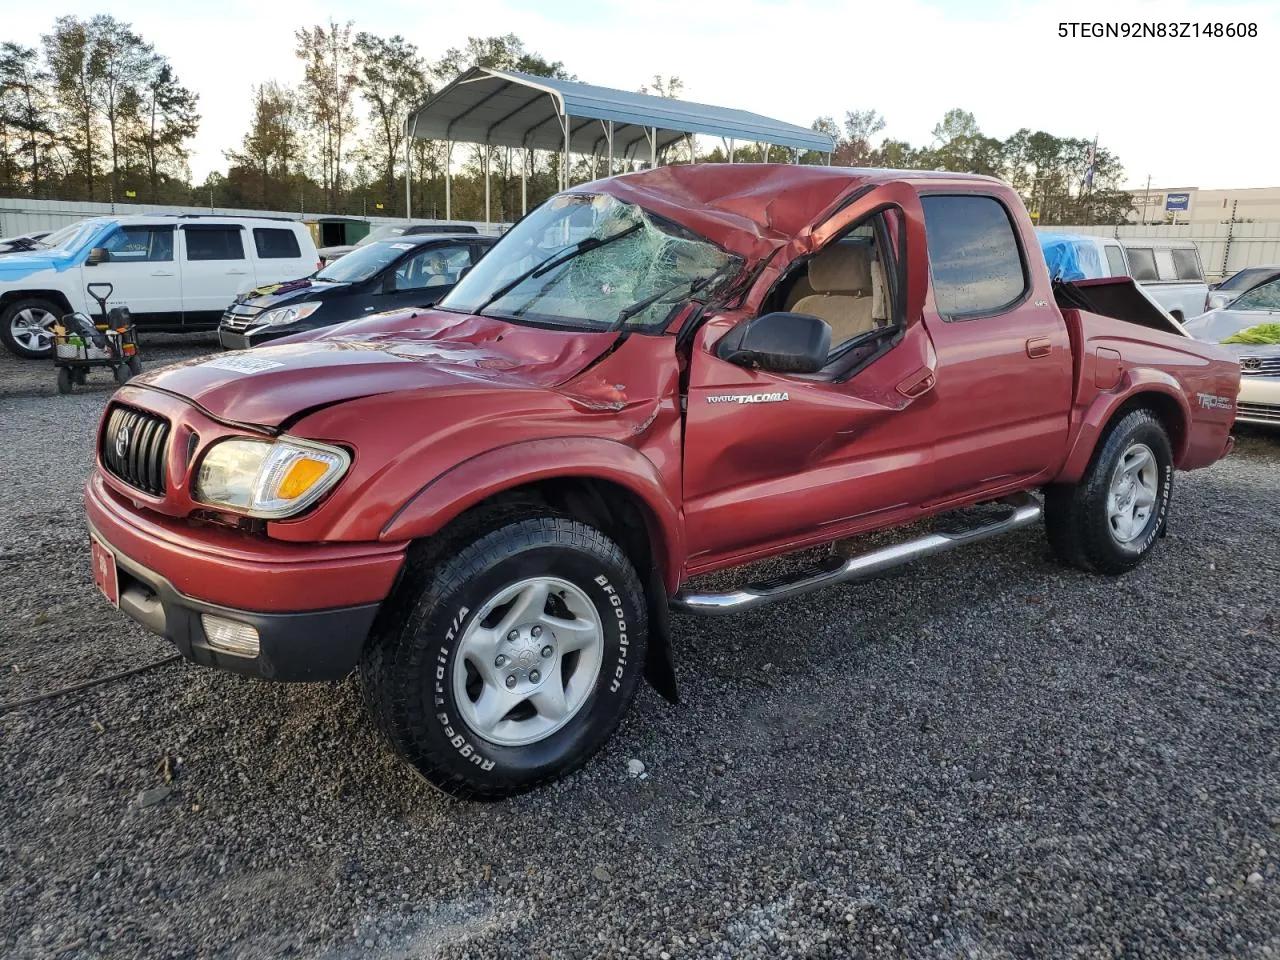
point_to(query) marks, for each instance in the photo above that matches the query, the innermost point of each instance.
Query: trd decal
(1211, 401)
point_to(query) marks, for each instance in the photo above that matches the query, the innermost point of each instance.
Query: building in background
(1196, 206)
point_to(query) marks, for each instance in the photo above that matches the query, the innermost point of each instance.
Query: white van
(1171, 272)
(174, 273)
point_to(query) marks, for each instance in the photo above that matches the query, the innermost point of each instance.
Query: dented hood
(434, 350)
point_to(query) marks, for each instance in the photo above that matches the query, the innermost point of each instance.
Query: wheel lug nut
(513, 636)
(511, 680)
(500, 660)
(534, 676)
(536, 631)
(546, 651)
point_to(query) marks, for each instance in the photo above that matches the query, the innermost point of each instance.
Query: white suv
(174, 273)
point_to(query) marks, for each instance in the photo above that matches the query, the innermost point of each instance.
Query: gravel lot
(988, 756)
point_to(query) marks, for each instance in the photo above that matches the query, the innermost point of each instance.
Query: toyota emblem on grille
(1250, 363)
(122, 442)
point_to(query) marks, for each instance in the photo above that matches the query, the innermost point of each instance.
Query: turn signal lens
(300, 477)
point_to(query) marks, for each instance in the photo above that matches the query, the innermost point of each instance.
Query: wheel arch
(603, 483)
(1165, 401)
(56, 297)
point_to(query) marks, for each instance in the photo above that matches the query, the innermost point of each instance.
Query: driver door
(143, 273)
(777, 459)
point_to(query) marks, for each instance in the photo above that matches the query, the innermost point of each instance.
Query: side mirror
(464, 271)
(779, 343)
(388, 284)
(97, 255)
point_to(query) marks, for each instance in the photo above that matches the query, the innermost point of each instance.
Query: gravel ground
(988, 756)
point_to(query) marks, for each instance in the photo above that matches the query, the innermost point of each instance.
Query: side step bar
(1024, 510)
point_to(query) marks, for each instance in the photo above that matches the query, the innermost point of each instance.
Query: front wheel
(26, 327)
(1110, 521)
(510, 663)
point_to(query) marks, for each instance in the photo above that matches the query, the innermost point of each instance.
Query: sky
(1187, 112)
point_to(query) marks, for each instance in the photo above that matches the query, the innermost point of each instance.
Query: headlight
(282, 315)
(268, 480)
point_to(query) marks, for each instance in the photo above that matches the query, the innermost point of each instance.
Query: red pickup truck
(489, 507)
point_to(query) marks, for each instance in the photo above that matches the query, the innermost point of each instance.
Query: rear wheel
(1110, 521)
(26, 327)
(510, 662)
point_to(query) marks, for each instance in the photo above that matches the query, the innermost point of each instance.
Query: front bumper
(232, 340)
(1259, 401)
(312, 605)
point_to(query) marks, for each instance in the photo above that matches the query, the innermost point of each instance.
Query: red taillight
(319, 264)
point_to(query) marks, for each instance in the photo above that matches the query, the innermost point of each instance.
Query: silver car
(1250, 327)
(1226, 292)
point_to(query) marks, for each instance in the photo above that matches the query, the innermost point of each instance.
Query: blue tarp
(1072, 257)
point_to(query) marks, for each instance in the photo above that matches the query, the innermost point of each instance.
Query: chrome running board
(1024, 510)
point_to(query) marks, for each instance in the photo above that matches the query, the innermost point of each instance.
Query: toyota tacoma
(489, 507)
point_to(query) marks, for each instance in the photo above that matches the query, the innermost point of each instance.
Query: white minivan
(174, 273)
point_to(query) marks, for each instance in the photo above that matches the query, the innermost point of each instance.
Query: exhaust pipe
(1025, 510)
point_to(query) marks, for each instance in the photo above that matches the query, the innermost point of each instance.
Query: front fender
(1099, 412)
(515, 465)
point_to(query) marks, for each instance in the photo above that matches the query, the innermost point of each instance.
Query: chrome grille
(1257, 412)
(239, 316)
(1260, 366)
(134, 448)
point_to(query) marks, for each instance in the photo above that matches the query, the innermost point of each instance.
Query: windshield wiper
(694, 285)
(582, 246)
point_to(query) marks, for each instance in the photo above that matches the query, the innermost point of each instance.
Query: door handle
(920, 382)
(163, 273)
(1039, 347)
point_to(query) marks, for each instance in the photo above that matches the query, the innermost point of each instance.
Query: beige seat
(845, 288)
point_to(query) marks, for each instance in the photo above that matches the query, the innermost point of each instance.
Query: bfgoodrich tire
(508, 663)
(1111, 520)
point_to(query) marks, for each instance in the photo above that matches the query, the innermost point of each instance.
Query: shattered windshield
(592, 261)
(1265, 297)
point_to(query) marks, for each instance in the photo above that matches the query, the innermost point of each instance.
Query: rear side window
(1143, 262)
(1187, 264)
(973, 255)
(214, 243)
(1115, 261)
(276, 244)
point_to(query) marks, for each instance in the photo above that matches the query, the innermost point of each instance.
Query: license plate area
(105, 574)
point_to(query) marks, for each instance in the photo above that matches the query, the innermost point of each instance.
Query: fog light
(237, 639)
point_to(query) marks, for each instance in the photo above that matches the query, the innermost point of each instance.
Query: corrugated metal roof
(510, 109)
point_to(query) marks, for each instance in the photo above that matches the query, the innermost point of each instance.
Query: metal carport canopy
(508, 109)
(502, 108)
